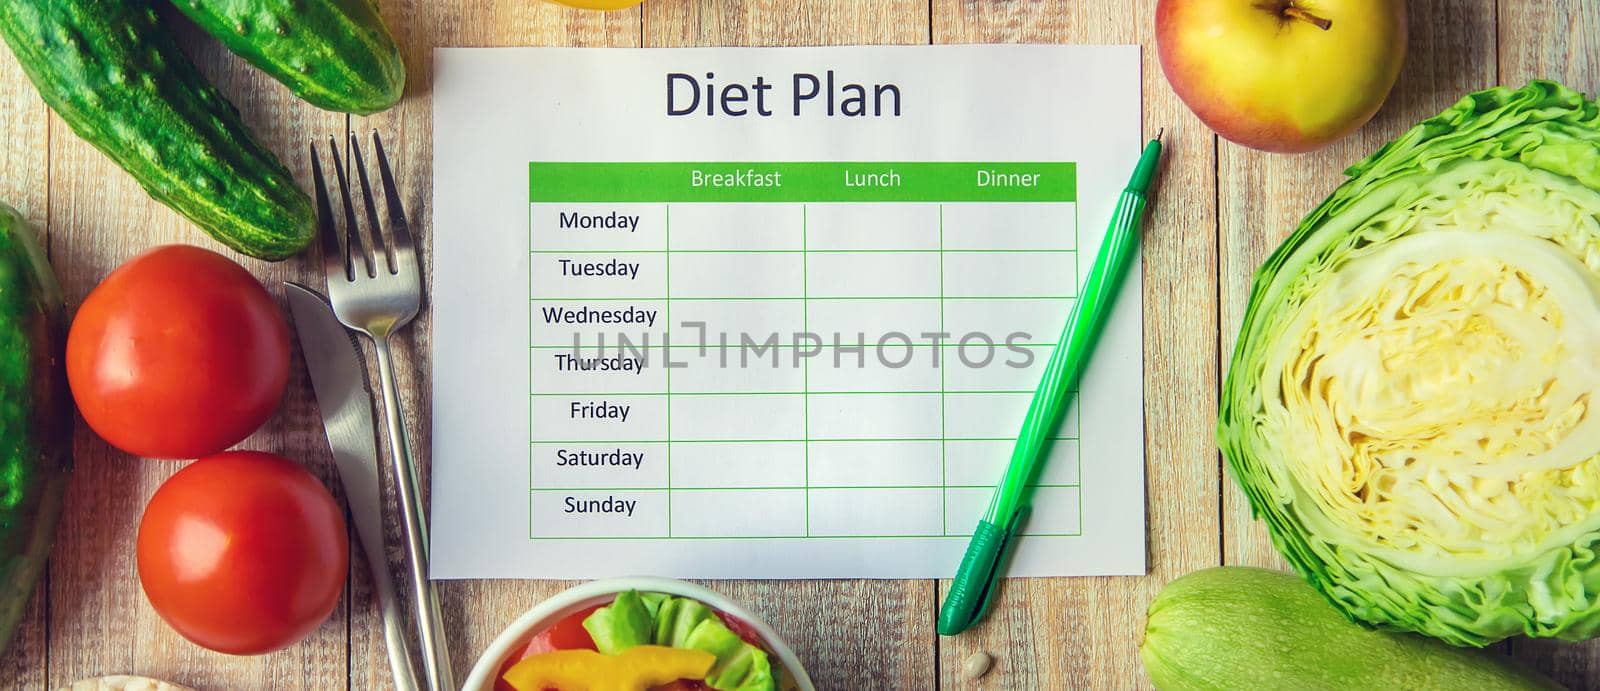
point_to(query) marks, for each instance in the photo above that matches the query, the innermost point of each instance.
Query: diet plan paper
(774, 312)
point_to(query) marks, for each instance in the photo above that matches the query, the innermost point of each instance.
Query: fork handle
(430, 622)
(393, 617)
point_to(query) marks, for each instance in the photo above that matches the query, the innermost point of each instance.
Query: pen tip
(1161, 133)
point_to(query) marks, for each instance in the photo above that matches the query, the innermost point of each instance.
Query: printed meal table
(737, 421)
(1220, 209)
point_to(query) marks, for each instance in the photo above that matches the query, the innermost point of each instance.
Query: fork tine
(398, 227)
(359, 164)
(334, 256)
(352, 232)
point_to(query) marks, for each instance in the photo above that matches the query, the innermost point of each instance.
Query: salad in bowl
(638, 634)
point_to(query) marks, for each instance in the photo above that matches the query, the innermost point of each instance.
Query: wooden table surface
(1220, 211)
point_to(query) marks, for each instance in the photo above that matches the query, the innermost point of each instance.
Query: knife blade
(339, 381)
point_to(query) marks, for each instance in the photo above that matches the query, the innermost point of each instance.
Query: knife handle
(425, 599)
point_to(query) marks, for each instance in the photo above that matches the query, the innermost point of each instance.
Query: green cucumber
(335, 54)
(110, 70)
(35, 416)
(1246, 628)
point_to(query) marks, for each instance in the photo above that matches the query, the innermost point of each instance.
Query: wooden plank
(476, 611)
(100, 622)
(822, 619)
(1084, 632)
(24, 168)
(1550, 40)
(673, 23)
(1554, 40)
(1263, 196)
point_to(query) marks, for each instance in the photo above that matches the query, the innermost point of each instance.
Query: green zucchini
(110, 70)
(35, 416)
(335, 54)
(1246, 628)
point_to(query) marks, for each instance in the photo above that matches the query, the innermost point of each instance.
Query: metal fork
(377, 299)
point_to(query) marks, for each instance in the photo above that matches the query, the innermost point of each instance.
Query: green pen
(984, 561)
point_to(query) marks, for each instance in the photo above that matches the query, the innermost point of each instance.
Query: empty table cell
(872, 226)
(876, 512)
(1010, 274)
(874, 416)
(1055, 510)
(590, 275)
(596, 464)
(746, 417)
(872, 274)
(994, 416)
(729, 322)
(738, 464)
(848, 322)
(1013, 226)
(561, 322)
(596, 370)
(737, 275)
(981, 463)
(1021, 321)
(1013, 367)
(710, 226)
(599, 417)
(739, 513)
(598, 513)
(891, 367)
(875, 463)
(964, 507)
(737, 369)
(582, 227)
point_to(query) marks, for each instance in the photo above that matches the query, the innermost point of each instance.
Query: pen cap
(968, 598)
(978, 577)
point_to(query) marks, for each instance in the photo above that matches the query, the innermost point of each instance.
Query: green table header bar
(802, 182)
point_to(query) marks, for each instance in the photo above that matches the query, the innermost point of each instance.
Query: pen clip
(978, 578)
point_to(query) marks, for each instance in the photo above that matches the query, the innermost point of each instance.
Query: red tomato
(743, 629)
(567, 634)
(243, 552)
(179, 353)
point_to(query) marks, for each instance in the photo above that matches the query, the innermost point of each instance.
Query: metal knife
(340, 383)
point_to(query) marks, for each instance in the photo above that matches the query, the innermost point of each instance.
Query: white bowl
(587, 595)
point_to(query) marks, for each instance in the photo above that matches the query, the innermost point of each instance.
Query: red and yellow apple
(1282, 75)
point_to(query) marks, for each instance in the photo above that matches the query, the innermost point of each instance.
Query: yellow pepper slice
(635, 669)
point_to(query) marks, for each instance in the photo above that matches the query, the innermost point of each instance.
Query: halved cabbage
(1414, 404)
